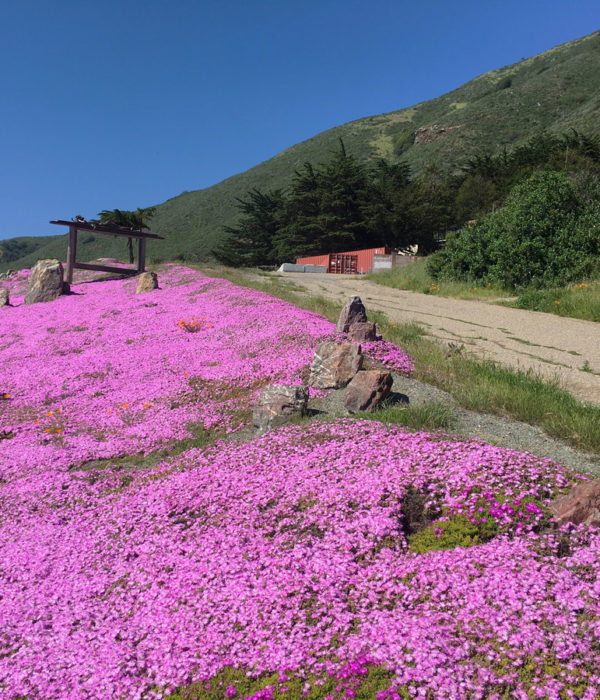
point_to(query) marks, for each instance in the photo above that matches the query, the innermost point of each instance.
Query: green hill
(554, 91)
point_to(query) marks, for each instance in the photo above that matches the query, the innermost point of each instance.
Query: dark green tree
(301, 231)
(250, 243)
(344, 196)
(430, 207)
(385, 207)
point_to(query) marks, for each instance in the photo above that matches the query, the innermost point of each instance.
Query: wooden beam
(141, 254)
(106, 268)
(107, 230)
(71, 253)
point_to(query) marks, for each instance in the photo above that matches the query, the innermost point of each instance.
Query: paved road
(552, 346)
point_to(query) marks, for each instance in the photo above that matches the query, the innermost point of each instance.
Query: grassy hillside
(556, 90)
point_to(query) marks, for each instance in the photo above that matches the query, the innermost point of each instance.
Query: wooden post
(71, 253)
(141, 254)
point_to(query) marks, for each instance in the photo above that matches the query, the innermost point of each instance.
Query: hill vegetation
(553, 92)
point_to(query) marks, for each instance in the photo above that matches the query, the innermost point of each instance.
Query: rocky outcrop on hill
(427, 134)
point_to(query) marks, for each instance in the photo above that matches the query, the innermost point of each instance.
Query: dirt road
(563, 348)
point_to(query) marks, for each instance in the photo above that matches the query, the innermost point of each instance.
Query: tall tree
(345, 194)
(301, 231)
(250, 243)
(385, 210)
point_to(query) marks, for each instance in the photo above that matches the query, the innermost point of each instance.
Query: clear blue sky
(123, 103)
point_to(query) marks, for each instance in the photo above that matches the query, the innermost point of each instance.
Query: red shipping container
(364, 260)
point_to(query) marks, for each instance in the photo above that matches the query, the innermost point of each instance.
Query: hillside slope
(556, 90)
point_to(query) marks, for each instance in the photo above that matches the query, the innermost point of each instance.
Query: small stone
(147, 281)
(367, 390)
(580, 505)
(277, 403)
(353, 312)
(334, 365)
(4, 297)
(362, 332)
(46, 281)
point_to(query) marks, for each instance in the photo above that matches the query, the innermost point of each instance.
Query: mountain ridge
(554, 91)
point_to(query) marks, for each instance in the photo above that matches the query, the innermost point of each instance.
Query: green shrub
(543, 236)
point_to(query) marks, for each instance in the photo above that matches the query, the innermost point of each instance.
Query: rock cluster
(335, 365)
(46, 282)
(4, 297)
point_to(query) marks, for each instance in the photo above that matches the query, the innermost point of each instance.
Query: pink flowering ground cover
(279, 567)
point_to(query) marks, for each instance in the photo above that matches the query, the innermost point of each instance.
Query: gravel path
(552, 346)
(560, 348)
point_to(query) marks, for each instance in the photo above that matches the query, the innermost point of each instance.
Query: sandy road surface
(552, 346)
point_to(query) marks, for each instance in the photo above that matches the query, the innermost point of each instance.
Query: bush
(543, 236)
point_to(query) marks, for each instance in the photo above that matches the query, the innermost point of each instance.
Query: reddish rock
(334, 365)
(147, 281)
(580, 505)
(362, 332)
(353, 312)
(277, 403)
(367, 390)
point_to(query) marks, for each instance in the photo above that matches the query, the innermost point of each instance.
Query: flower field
(135, 563)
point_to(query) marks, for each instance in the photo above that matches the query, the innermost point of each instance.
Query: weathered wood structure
(108, 230)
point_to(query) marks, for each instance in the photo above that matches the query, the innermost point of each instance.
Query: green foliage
(133, 220)
(543, 236)
(291, 685)
(457, 531)
(429, 416)
(251, 242)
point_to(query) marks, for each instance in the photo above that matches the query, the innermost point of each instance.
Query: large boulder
(147, 281)
(334, 365)
(4, 297)
(46, 282)
(362, 332)
(353, 312)
(580, 505)
(367, 390)
(277, 403)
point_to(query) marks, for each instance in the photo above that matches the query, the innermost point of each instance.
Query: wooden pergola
(107, 230)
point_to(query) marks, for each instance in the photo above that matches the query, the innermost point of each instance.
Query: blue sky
(125, 103)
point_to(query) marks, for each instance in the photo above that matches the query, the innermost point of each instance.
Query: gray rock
(4, 297)
(362, 332)
(46, 282)
(277, 403)
(353, 312)
(334, 365)
(367, 390)
(147, 281)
